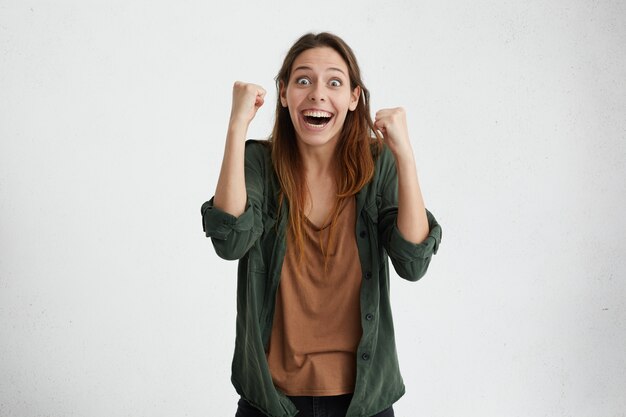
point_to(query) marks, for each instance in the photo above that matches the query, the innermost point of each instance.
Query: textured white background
(112, 121)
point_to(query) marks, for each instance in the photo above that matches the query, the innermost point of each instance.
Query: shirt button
(365, 356)
(368, 275)
(369, 316)
(363, 233)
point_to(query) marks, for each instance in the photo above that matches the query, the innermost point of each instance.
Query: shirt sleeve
(410, 260)
(233, 236)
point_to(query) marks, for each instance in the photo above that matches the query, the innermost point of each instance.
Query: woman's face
(318, 96)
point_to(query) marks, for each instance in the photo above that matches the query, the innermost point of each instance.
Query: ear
(354, 100)
(282, 93)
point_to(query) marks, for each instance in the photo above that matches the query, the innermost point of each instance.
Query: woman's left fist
(392, 124)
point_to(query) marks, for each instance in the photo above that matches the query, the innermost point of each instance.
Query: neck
(318, 161)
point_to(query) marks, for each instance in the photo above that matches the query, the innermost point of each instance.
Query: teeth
(317, 113)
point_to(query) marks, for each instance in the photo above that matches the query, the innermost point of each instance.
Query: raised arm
(230, 193)
(233, 218)
(409, 232)
(412, 221)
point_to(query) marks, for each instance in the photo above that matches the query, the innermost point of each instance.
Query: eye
(335, 83)
(303, 81)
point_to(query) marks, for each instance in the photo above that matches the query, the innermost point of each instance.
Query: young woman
(312, 215)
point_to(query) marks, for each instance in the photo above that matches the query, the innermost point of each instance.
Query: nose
(317, 93)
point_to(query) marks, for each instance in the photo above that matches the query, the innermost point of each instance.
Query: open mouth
(317, 119)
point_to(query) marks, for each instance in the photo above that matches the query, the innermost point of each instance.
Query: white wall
(112, 122)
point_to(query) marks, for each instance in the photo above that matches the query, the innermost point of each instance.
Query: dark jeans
(334, 406)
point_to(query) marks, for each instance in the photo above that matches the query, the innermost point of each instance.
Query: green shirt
(257, 239)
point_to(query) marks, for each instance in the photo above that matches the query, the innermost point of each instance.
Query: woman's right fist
(247, 99)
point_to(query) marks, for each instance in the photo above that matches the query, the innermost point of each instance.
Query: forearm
(412, 221)
(230, 193)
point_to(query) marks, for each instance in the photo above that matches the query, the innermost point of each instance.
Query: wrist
(404, 156)
(239, 122)
(237, 128)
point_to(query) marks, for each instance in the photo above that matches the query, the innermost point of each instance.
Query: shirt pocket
(371, 224)
(372, 209)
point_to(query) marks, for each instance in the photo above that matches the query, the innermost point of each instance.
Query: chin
(316, 140)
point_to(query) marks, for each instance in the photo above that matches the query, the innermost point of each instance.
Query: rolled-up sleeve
(219, 224)
(233, 236)
(409, 259)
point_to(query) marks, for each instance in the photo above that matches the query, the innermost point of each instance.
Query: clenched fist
(247, 99)
(392, 124)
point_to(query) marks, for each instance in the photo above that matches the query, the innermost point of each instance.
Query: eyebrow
(304, 67)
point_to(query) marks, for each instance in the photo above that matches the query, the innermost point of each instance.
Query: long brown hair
(353, 154)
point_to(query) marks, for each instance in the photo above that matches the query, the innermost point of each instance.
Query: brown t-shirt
(317, 326)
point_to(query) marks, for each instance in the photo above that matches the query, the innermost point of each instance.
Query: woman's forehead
(320, 58)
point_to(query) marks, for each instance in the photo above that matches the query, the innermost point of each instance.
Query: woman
(312, 215)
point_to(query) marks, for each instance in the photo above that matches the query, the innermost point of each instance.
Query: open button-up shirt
(257, 239)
